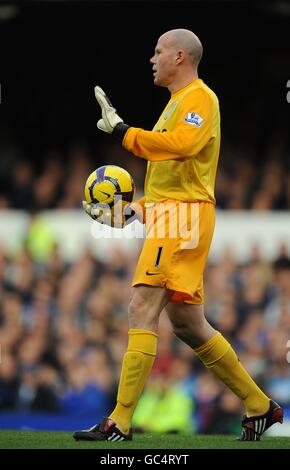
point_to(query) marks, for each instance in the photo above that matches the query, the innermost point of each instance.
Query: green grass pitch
(64, 440)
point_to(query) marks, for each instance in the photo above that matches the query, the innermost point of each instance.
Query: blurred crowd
(57, 178)
(63, 333)
(63, 325)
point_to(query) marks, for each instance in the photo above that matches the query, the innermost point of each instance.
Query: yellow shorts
(175, 251)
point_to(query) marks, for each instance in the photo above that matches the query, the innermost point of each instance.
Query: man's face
(164, 62)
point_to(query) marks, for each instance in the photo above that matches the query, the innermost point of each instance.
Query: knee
(189, 329)
(145, 307)
(181, 330)
(189, 334)
(138, 311)
(136, 305)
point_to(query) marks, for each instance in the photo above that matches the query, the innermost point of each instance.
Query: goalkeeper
(182, 153)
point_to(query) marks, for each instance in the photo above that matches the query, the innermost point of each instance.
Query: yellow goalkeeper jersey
(183, 148)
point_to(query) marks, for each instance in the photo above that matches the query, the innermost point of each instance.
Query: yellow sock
(136, 367)
(219, 357)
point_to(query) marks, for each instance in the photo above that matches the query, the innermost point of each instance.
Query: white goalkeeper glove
(117, 216)
(100, 214)
(110, 122)
(110, 118)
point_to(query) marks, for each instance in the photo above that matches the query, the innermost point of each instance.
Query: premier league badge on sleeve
(193, 119)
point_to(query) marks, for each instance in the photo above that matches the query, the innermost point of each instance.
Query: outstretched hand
(110, 118)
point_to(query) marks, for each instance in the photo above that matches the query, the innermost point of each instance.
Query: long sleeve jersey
(183, 148)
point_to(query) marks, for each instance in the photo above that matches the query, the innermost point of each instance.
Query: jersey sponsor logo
(194, 119)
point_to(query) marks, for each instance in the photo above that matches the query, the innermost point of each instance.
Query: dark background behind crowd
(63, 326)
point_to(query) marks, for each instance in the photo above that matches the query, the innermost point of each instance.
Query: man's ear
(179, 56)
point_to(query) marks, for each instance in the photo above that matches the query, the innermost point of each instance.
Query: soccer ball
(109, 182)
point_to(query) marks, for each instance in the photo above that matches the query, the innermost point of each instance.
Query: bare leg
(189, 323)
